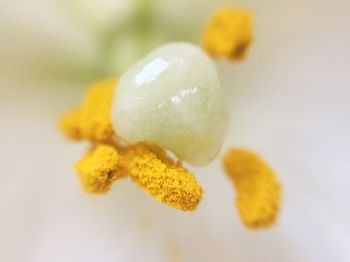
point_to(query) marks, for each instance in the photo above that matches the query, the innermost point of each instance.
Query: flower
(258, 191)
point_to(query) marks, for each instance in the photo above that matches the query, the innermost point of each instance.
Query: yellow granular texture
(92, 120)
(229, 33)
(97, 169)
(258, 190)
(168, 182)
(147, 164)
(69, 124)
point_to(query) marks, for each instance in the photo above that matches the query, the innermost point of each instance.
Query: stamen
(258, 190)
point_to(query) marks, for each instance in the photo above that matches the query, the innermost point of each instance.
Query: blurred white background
(290, 101)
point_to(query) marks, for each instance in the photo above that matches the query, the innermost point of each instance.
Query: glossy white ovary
(173, 98)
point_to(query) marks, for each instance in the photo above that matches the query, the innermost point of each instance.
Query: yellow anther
(258, 190)
(92, 120)
(229, 33)
(147, 164)
(166, 181)
(69, 124)
(97, 169)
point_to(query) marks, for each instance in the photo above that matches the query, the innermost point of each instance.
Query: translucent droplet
(173, 98)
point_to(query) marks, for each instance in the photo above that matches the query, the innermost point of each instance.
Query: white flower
(290, 101)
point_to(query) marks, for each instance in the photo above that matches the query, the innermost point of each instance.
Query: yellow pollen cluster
(146, 164)
(228, 34)
(165, 180)
(97, 169)
(91, 121)
(169, 183)
(258, 191)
